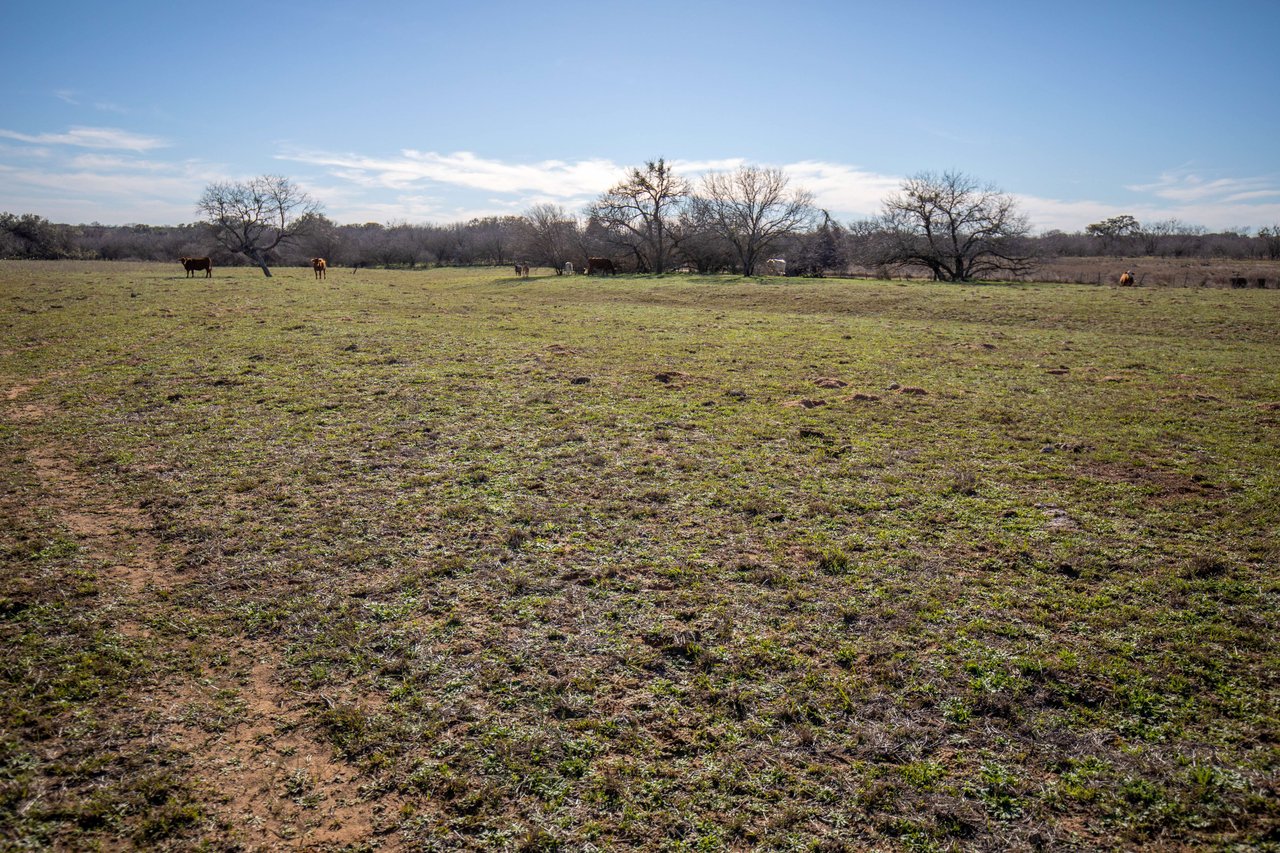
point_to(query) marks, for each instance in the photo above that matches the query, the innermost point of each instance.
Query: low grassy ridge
(446, 559)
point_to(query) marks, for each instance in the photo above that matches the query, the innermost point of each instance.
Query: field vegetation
(448, 559)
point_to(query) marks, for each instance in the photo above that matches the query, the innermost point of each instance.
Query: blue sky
(434, 112)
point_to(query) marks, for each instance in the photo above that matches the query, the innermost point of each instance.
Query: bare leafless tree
(550, 235)
(752, 209)
(322, 240)
(955, 227)
(253, 217)
(1269, 240)
(637, 212)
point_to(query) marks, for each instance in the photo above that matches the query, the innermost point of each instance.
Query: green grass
(568, 570)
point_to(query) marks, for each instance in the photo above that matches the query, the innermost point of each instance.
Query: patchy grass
(552, 562)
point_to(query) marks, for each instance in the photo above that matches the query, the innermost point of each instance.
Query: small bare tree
(955, 227)
(253, 217)
(752, 209)
(1269, 239)
(550, 235)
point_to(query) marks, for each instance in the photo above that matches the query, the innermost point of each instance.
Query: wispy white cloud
(107, 189)
(110, 162)
(183, 185)
(91, 137)
(1050, 214)
(555, 178)
(1047, 214)
(843, 190)
(26, 152)
(1186, 186)
(117, 175)
(698, 167)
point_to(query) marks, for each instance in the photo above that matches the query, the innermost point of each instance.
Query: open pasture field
(1163, 272)
(450, 560)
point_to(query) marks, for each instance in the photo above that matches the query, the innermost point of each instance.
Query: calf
(193, 264)
(319, 266)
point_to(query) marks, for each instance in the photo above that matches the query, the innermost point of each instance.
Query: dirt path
(271, 783)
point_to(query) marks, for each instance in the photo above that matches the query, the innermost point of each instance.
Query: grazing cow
(193, 264)
(1126, 279)
(319, 266)
(568, 267)
(775, 266)
(602, 265)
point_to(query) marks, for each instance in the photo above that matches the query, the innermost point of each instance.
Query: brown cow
(319, 266)
(603, 265)
(193, 264)
(1126, 279)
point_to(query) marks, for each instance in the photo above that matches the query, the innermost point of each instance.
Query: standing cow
(319, 266)
(1126, 279)
(191, 265)
(604, 266)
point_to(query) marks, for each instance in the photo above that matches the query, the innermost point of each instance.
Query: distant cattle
(524, 270)
(319, 266)
(775, 266)
(602, 265)
(193, 264)
(1239, 281)
(1126, 279)
(568, 267)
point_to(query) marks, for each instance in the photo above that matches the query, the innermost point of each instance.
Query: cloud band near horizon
(121, 178)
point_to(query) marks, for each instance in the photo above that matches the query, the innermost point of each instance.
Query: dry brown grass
(1148, 272)
(1161, 272)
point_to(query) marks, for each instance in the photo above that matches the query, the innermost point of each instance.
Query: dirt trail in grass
(267, 780)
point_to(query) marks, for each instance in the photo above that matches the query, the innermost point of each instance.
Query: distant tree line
(949, 226)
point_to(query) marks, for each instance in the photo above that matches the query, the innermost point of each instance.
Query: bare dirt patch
(269, 777)
(266, 773)
(111, 531)
(1167, 484)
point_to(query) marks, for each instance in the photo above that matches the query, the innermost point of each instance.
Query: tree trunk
(260, 260)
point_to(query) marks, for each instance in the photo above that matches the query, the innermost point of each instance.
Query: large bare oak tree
(637, 213)
(253, 217)
(752, 209)
(955, 227)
